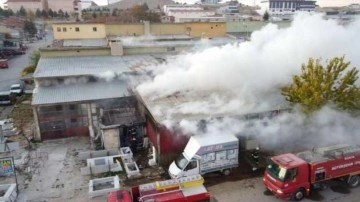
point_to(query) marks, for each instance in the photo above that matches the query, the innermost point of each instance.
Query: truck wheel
(226, 172)
(354, 181)
(299, 195)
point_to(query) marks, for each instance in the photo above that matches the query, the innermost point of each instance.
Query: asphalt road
(17, 63)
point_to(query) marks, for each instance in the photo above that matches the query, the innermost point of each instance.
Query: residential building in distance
(82, 30)
(287, 8)
(64, 5)
(174, 7)
(31, 5)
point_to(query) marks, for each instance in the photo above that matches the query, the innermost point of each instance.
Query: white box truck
(206, 153)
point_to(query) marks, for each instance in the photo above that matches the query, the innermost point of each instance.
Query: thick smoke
(246, 78)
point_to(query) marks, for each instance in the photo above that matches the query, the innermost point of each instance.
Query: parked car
(6, 98)
(17, 89)
(4, 64)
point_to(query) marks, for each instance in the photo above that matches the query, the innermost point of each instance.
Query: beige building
(100, 30)
(78, 31)
(31, 5)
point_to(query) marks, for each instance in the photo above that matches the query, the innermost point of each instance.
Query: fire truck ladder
(168, 186)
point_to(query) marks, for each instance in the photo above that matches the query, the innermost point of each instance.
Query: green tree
(51, 13)
(44, 13)
(55, 14)
(29, 28)
(22, 11)
(66, 15)
(38, 13)
(61, 13)
(94, 15)
(34, 60)
(266, 16)
(115, 12)
(318, 86)
(145, 6)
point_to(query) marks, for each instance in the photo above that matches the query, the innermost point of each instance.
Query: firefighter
(255, 157)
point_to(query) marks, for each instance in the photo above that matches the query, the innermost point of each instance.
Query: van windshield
(181, 161)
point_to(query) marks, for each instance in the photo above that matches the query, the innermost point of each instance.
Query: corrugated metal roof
(79, 92)
(175, 106)
(85, 42)
(91, 65)
(216, 41)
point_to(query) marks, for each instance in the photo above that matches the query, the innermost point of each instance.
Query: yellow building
(100, 30)
(78, 31)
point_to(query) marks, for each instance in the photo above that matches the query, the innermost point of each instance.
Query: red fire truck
(293, 176)
(186, 189)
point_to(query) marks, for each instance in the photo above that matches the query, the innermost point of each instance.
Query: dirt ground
(53, 173)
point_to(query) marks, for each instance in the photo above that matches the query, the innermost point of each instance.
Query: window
(72, 107)
(73, 120)
(170, 49)
(64, 29)
(232, 154)
(208, 157)
(95, 29)
(77, 29)
(319, 175)
(58, 29)
(191, 165)
(58, 107)
(220, 155)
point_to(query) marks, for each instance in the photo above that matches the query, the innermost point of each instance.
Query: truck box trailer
(186, 189)
(205, 153)
(295, 175)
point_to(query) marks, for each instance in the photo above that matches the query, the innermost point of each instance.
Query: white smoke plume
(251, 74)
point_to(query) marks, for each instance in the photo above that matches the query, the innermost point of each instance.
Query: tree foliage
(22, 11)
(38, 13)
(34, 60)
(318, 85)
(266, 16)
(30, 28)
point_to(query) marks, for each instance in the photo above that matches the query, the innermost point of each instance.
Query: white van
(204, 154)
(17, 89)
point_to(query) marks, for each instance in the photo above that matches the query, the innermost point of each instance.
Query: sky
(321, 3)
(251, 74)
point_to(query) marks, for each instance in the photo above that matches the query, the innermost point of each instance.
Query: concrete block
(126, 152)
(10, 192)
(102, 186)
(9, 146)
(100, 169)
(132, 169)
(116, 167)
(84, 155)
(113, 152)
(99, 153)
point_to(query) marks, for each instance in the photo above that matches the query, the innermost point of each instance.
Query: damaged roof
(79, 92)
(93, 65)
(199, 106)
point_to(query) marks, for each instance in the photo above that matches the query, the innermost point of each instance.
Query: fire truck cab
(293, 176)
